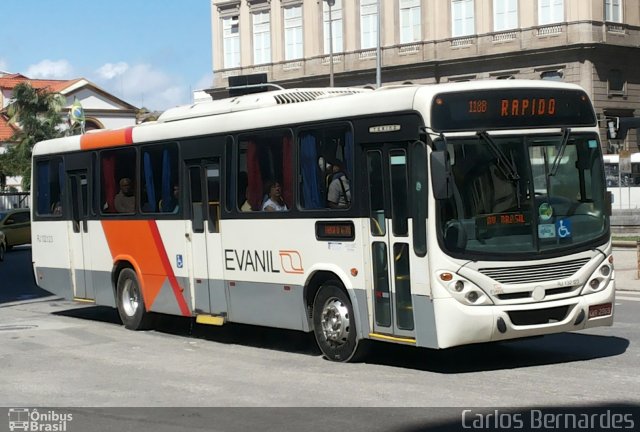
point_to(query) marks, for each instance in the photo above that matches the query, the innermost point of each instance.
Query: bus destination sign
(511, 109)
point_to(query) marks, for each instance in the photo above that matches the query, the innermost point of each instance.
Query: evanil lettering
(249, 260)
(527, 107)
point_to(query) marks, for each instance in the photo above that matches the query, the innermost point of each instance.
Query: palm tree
(38, 113)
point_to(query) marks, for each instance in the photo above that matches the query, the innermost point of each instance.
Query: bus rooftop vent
(254, 101)
(296, 96)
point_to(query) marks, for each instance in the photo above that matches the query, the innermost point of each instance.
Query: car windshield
(523, 194)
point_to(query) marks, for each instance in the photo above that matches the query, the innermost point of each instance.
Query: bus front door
(206, 246)
(389, 241)
(80, 244)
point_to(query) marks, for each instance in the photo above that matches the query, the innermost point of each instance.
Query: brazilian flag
(76, 113)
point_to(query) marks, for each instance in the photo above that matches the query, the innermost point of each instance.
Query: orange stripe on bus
(139, 243)
(104, 139)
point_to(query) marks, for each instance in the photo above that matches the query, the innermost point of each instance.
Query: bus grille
(538, 273)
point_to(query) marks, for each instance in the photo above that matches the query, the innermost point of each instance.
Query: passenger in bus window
(339, 191)
(274, 201)
(125, 201)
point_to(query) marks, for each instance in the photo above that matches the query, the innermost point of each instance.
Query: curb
(625, 243)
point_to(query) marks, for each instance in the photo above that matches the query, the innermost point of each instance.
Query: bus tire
(334, 323)
(131, 307)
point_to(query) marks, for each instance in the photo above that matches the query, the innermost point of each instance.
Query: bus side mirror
(608, 203)
(441, 175)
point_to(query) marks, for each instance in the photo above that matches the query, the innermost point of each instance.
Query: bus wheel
(334, 323)
(130, 302)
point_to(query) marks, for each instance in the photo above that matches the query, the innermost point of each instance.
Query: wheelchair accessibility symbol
(563, 228)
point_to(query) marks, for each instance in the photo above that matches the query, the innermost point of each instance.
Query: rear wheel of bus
(130, 301)
(334, 324)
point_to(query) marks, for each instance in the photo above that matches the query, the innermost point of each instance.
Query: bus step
(210, 320)
(83, 300)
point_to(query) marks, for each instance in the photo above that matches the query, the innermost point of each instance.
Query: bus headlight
(463, 290)
(600, 278)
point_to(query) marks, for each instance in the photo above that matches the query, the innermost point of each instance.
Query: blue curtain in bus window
(167, 205)
(148, 178)
(61, 182)
(349, 153)
(287, 171)
(309, 167)
(44, 194)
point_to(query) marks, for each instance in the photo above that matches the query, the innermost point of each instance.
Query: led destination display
(511, 109)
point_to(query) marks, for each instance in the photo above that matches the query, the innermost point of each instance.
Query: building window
(616, 82)
(368, 24)
(261, 38)
(293, 33)
(550, 11)
(613, 11)
(336, 26)
(462, 18)
(554, 75)
(410, 21)
(505, 14)
(231, 42)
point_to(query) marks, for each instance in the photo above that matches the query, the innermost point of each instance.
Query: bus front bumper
(459, 324)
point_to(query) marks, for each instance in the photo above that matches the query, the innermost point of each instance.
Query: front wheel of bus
(334, 323)
(130, 302)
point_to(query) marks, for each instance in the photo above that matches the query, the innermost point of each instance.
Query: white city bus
(460, 213)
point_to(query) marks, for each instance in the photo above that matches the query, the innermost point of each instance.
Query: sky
(150, 53)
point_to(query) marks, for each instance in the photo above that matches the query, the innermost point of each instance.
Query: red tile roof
(10, 81)
(6, 130)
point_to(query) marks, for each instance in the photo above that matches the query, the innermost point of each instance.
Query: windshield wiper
(504, 164)
(556, 162)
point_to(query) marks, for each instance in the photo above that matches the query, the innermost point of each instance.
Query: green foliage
(38, 114)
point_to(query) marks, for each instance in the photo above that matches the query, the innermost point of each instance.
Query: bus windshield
(523, 194)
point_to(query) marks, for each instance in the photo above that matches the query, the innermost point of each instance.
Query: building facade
(593, 43)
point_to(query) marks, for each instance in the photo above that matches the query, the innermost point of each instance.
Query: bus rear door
(204, 176)
(79, 237)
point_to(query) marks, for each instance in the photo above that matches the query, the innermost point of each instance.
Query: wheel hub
(335, 321)
(130, 300)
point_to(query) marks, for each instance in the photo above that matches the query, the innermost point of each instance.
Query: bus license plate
(596, 311)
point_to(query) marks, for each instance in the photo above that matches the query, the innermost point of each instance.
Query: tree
(38, 113)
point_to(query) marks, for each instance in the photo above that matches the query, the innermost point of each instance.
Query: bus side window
(326, 167)
(159, 182)
(116, 166)
(265, 159)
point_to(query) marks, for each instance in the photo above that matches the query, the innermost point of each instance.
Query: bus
(475, 212)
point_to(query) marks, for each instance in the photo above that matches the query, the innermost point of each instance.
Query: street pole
(378, 51)
(330, 3)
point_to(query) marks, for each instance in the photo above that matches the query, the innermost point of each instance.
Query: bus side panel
(101, 266)
(266, 277)
(425, 319)
(51, 261)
